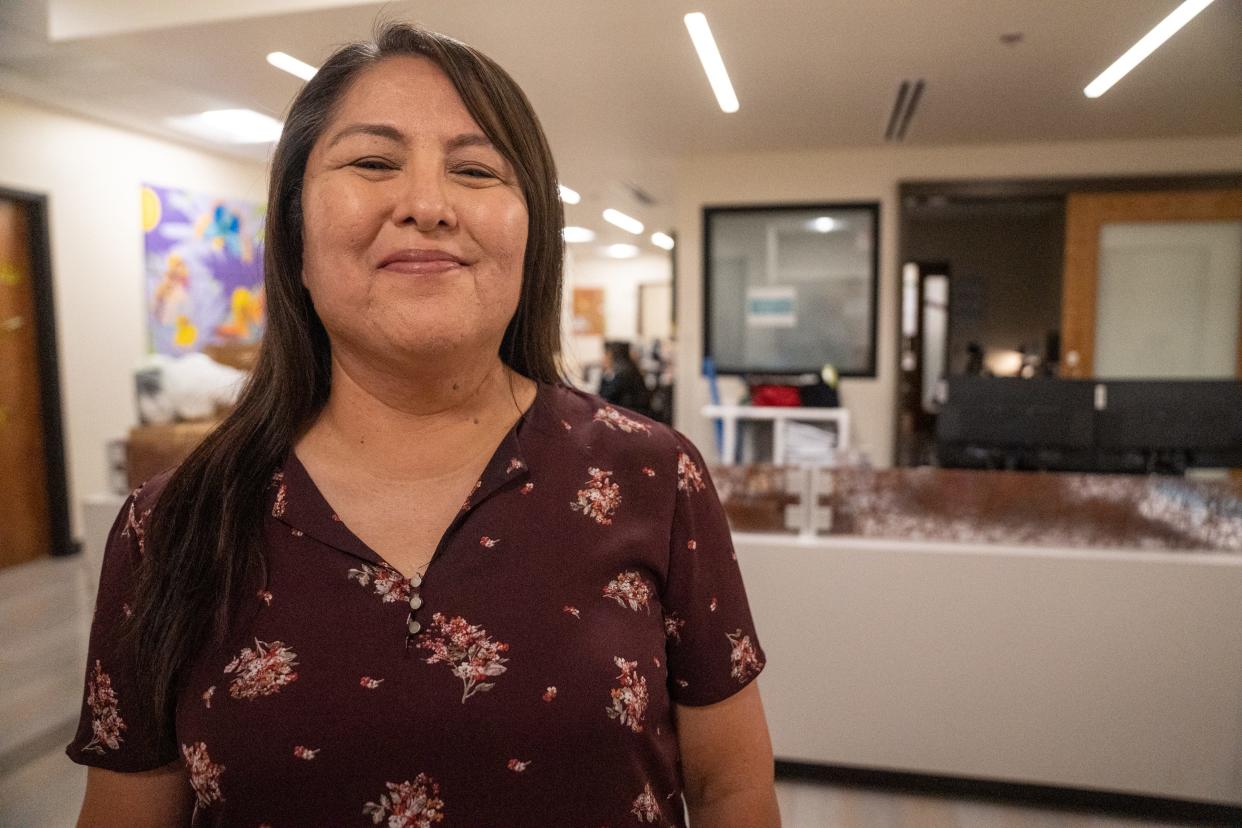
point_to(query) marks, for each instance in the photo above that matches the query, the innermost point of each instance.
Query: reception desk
(1111, 668)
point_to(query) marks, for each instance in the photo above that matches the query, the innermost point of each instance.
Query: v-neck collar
(299, 504)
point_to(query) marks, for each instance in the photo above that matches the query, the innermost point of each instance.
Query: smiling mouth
(423, 267)
(420, 261)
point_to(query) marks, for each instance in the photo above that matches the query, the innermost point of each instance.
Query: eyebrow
(391, 133)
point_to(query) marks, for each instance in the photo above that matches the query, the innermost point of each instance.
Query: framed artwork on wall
(204, 270)
(791, 288)
(588, 311)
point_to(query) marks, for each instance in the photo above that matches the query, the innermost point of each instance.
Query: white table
(780, 416)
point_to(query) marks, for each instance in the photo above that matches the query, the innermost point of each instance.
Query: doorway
(1050, 275)
(34, 513)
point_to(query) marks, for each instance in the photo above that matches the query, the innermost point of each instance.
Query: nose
(423, 200)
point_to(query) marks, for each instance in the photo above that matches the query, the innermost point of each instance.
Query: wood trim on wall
(1085, 214)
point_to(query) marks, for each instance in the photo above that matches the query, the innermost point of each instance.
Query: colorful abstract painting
(204, 270)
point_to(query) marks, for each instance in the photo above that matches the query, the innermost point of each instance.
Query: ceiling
(620, 90)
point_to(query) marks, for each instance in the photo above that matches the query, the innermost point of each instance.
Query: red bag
(786, 395)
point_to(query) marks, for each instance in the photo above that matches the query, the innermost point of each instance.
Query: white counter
(1097, 669)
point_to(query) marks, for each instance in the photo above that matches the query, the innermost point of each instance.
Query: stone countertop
(1000, 507)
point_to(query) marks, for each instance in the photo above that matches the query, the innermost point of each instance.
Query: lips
(421, 260)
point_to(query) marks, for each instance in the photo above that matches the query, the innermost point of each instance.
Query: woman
(622, 382)
(521, 606)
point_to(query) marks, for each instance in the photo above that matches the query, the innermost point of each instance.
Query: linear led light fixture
(1149, 43)
(292, 65)
(663, 240)
(567, 195)
(713, 64)
(626, 223)
(573, 234)
(231, 126)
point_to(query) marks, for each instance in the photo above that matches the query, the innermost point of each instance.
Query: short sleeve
(110, 733)
(712, 648)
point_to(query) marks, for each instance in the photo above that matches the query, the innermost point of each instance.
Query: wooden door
(25, 521)
(1086, 216)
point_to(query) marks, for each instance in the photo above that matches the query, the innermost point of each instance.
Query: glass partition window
(791, 289)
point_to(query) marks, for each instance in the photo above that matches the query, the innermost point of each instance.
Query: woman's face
(414, 225)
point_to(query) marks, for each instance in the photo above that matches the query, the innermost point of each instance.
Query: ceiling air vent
(908, 95)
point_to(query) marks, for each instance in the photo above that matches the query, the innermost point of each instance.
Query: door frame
(49, 368)
(1085, 215)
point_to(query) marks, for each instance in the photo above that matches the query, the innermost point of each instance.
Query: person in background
(622, 382)
(413, 577)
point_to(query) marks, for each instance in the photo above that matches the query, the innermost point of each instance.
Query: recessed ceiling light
(824, 224)
(620, 251)
(231, 126)
(662, 240)
(578, 234)
(713, 64)
(569, 196)
(1149, 43)
(292, 65)
(626, 223)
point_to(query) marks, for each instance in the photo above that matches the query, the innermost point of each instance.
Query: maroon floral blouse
(587, 583)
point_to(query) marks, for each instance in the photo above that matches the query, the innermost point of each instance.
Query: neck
(419, 424)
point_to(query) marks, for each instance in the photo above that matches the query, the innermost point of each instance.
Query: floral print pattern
(388, 583)
(629, 700)
(106, 721)
(204, 774)
(646, 807)
(549, 694)
(136, 525)
(261, 671)
(574, 611)
(600, 498)
(488, 542)
(369, 683)
(527, 488)
(465, 504)
(467, 649)
(408, 804)
(279, 505)
(518, 765)
(207, 694)
(743, 657)
(629, 590)
(615, 420)
(689, 476)
(302, 752)
(514, 465)
(673, 625)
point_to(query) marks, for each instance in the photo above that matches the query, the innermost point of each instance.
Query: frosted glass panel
(1170, 294)
(790, 289)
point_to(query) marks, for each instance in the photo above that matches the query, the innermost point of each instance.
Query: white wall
(91, 175)
(620, 279)
(873, 174)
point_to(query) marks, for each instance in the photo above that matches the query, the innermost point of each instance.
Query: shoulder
(602, 430)
(147, 495)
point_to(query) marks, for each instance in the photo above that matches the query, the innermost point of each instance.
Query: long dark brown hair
(203, 543)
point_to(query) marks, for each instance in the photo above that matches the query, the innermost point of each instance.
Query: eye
(374, 164)
(475, 172)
